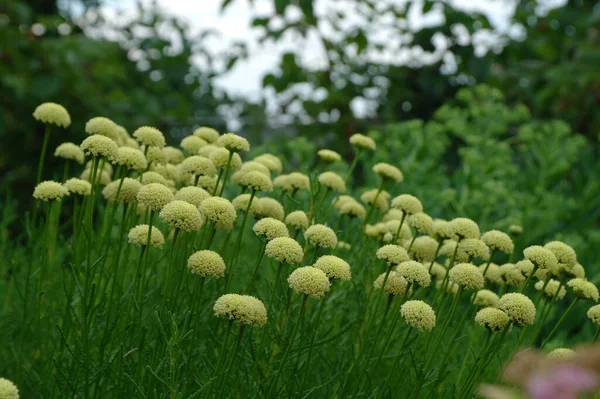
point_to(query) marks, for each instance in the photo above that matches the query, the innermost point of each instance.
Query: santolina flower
(353, 209)
(332, 181)
(198, 166)
(297, 219)
(181, 215)
(207, 264)
(464, 228)
(131, 158)
(309, 280)
(407, 203)
(441, 229)
(392, 214)
(156, 155)
(284, 249)
(515, 230)
(78, 186)
(422, 223)
(49, 191)
(493, 319)
(321, 236)
(149, 136)
(448, 249)
(379, 201)
(395, 284)
(244, 309)
(498, 241)
(551, 288)
(8, 390)
(233, 142)
(563, 252)
(388, 172)
(208, 134)
(174, 155)
(193, 195)
(219, 210)
(419, 315)
(253, 166)
(270, 228)
(414, 273)
(361, 141)
(593, 314)
(241, 202)
(541, 257)
(561, 353)
(52, 113)
(99, 146)
(392, 254)
(155, 196)
(256, 181)
(519, 308)
(467, 275)
(270, 161)
(475, 248)
(486, 298)
(267, 207)
(583, 289)
(423, 249)
(139, 236)
(192, 144)
(512, 275)
(69, 151)
(334, 267)
(104, 127)
(293, 182)
(220, 157)
(153, 177)
(129, 190)
(329, 156)
(207, 150)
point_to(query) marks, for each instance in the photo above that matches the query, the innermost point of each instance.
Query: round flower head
(208, 134)
(139, 236)
(131, 143)
(593, 314)
(309, 280)
(155, 196)
(334, 267)
(233, 142)
(193, 195)
(168, 171)
(422, 223)
(49, 191)
(332, 181)
(156, 155)
(576, 271)
(423, 249)
(419, 315)
(128, 193)
(493, 273)
(207, 150)
(448, 249)
(241, 203)
(583, 289)
(220, 157)
(298, 182)
(245, 309)
(153, 177)
(518, 308)
(414, 273)
(253, 166)
(392, 214)
(104, 127)
(181, 215)
(475, 248)
(198, 166)
(329, 156)
(442, 230)
(207, 264)
(526, 267)
(380, 201)
(464, 228)
(408, 204)
(297, 219)
(392, 227)
(561, 353)
(353, 209)
(361, 141)
(174, 155)
(344, 245)
(450, 288)
(52, 113)
(149, 136)
(102, 176)
(219, 210)
(563, 252)
(493, 319)
(209, 183)
(192, 144)
(284, 249)
(99, 146)
(342, 200)
(392, 254)
(321, 236)
(271, 162)
(486, 298)
(78, 186)
(268, 207)
(515, 230)
(8, 390)
(395, 285)
(512, 275)
(256, 181)
(541, 257)
(551, 288)
(388, 172)
(438, 271)
(270, 228)
(70, 152)
(467, 275)
(131, 158)
(498, 241)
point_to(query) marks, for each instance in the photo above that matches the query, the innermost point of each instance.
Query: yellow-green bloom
(284, 249)
(563, 252)
(519, 308)
(174, 155)
(207, 150)
(467, 275)
(220, 211)
(70, 152)
(104, 127)
(464, 228)
(541, 257)
(552, 288)
(395, 285)
(220, 158)
(414, 273)
(244, 309)
(99, 146)
(198, 166)
(361, 141)
(267, 207)
(561, 353)
(156, 155)
(150, 136)
(392, 254)
(512, 275)
(321, 236)
(192, 144)
(129, 190)
(392, 214)
(193, 195)
(486, 298)
(206, 264)
(408, 204)
(256, 181)
(593, 314)
(515, 230)
(329, 156)
(8, 390)
(493, 273)
(423, 249)
(498, 241)
(382, 202)
(271, 162)
(419, 315)
(102, 176)
(388, 172)
(208, 134)
(310, 281)
(52, 113)
(442, 230)
(293, 182)
(270, 228)
(139, 236)
(448, 249)
(583, 289)
(493, 319)
(78, 186)
(153, 177)
(297, 219)
(421, 222)
(334, 267)
(253, 166)
(181, 215)
(155, 196)
(233, 142)
(333, 181)
(49, 191)
(475, 248)
(353, 209)
(131, 158)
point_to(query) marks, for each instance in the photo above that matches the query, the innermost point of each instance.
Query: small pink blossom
(563, 382)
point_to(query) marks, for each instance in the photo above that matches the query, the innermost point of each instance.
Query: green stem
(233, 356)
(43, 153)
(396, 361)
(352, 166)
(560, 321)
(261, 253)
(596, 335)
(239, 241)
(372, 205)
(312, 341)
(225, 175)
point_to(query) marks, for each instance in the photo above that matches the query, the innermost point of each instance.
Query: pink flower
(563, 382)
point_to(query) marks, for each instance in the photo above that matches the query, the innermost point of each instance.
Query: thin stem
(395, 362)
(560, 321)
(225, 175)
(261, 253)
(352, 166)
(43, 153)
(233, 356)
(312, 341)
(239, 241)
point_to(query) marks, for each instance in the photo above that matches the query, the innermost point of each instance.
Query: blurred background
(489, 107)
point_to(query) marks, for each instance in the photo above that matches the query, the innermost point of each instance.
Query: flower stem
(43, 153)
(559, 322)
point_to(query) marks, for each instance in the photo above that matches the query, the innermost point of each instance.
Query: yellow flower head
(493, 273)
(422, 223)
(207, 150)
(49, 191)
(467, 275)
(486, 298)
(207, 134)
(271, 162)
(293, 182)
(309, 280)
(297, 219)
(131, 158)
(207, 264)
(593, 314)
(392, 214)
(193, 195)
(174, 155)
(70, 152)
(198, 166)
(321, 236)
(256, 181)
(419, 315)
(241, 202)
(270, 228)
(244, 309)
(438, 271)
(361, 141)
(78, 186)
(541, 257)
(267, 207)
(515, 230)
(519, 308)
(181, 215)
(561, 353)
(395, 285)
(388, 172)
(220, 157)
(493, 319)
(104, 127)
(131, 143)
(408, 204)
(575, 271)
(551, 289)
(512, 275)
(423, 249)
(392, 227)
(448, 249)
(192, 144)
(475, 248)
(233, 142)
(8, 390)
(139, 236)
(149, 136)
(335, 268)
(382, 202)
(442, 230)
(332, 181)
(392, 254)
(99, 146)
(498, 241)
(153, 177)
(155, 196)
(156, 155)
(563, 252)
(464, 228)
(353, 209)
(583, 289)
(128, 193)
(329, 156)
(253, 166)
(414, 273)
(52, 113)
(284, 249)
(219, 210)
